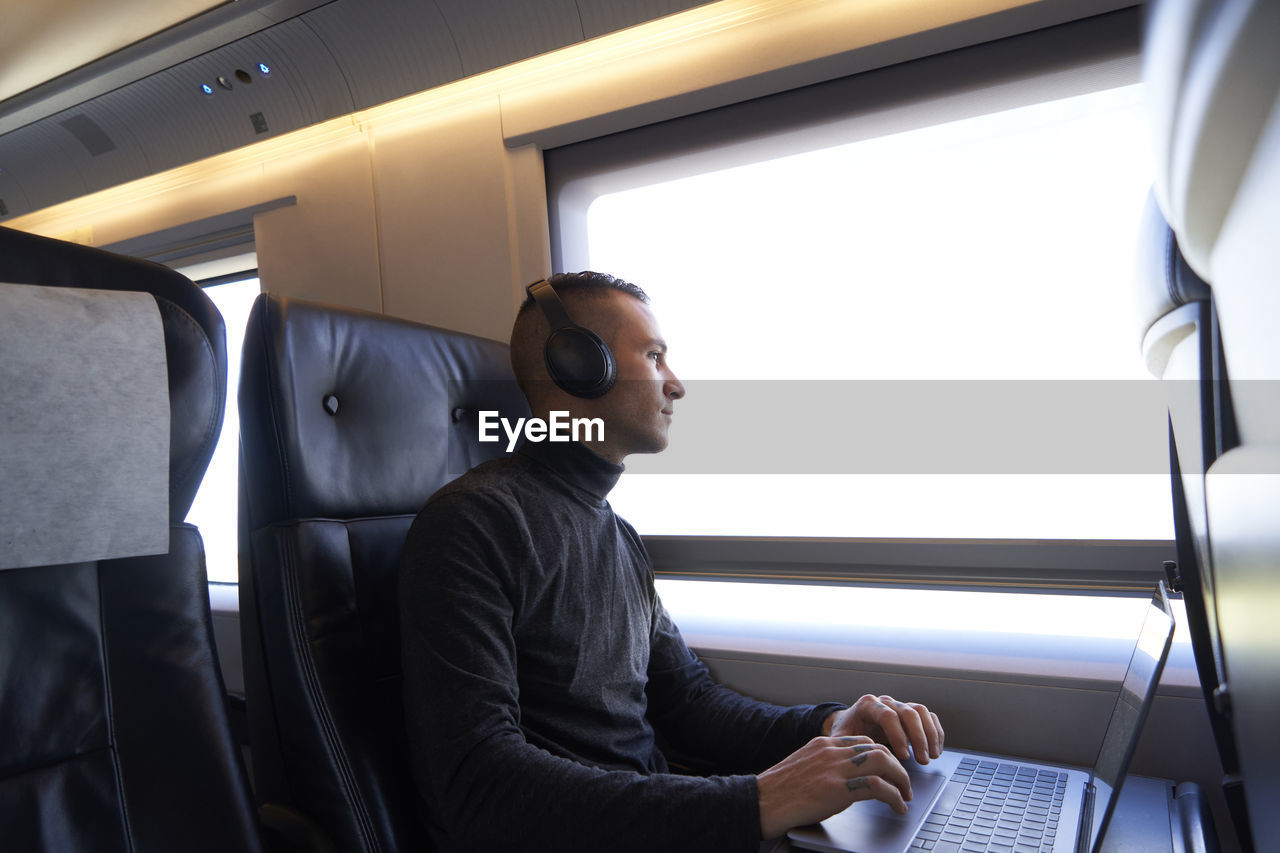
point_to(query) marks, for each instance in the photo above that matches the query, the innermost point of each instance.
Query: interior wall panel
(530, 237)
(324, 247)
(442, 219)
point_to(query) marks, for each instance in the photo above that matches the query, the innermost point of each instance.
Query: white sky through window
(214, 509)
(998, 247)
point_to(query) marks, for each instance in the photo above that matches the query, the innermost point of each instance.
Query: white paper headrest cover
(84, 426)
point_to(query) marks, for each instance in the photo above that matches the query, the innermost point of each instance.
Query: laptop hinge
(1085, 836)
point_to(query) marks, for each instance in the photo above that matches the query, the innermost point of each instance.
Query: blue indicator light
(264, 68)
(206, 88)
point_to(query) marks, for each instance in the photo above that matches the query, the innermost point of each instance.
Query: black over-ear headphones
(577, 359)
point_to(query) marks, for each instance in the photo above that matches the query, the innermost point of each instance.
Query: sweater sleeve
(716, 724)
(485, 786)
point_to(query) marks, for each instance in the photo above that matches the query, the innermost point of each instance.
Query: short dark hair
(588, 280)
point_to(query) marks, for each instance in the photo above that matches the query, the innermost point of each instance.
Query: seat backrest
(1212, 74)
(1180, 346)
(1213, 79)
(349, 421)
(116, 735)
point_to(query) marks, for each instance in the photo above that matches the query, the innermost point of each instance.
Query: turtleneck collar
(577, 465)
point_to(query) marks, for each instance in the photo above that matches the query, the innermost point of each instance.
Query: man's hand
(825, 776)
(891, 722)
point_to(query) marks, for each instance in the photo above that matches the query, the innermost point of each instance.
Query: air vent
(90, 134)
(259, 122)
(4, 208)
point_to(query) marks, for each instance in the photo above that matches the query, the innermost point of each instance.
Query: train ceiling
(128, 103)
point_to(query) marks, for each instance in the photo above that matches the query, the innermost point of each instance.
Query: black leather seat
(1182, 346)
(349, 422)
(1212, 79)
(112, 707)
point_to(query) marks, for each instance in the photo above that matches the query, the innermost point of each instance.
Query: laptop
(966, 802)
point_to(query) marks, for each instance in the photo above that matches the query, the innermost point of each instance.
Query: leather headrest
(1212, 76)
(347, 414)
(194, 334)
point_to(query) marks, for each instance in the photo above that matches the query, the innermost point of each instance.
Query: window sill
(1081, 642)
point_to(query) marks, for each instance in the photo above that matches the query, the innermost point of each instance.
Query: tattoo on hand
(857, 784)
(848, 741)
(865, 747)
(860, 759)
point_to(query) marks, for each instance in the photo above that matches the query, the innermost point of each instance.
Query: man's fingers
(930, 729)
(920, 727)
(905, 726)
(884, 777)
(859, 753)
(887, 718)
(875, 759)
(875, 788)
(913, 727)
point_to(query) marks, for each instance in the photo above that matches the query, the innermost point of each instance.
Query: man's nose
(673, 387)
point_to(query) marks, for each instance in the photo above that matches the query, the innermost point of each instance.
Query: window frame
(1108, 567)
(1056, 62)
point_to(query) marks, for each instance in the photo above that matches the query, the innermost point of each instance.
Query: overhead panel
(174, 125)
(89, 134)
(46, 162)
(125, 158)
(387, 48)
(12, 195)
(309, 68)
(606, 16)
(302, 86)
(499, 32)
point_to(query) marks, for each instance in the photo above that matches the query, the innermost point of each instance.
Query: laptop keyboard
(995, 807)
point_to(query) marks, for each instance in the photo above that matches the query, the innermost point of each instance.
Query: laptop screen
(1137, 692)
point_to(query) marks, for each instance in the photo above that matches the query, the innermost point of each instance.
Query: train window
(996, 248)
(214, 508)
(964, 222)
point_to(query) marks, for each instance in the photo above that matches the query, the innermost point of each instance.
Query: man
(540, 668)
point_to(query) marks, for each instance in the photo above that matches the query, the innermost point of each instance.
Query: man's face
(637, 411)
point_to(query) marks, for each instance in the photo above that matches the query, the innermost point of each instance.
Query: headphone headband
(552, 308)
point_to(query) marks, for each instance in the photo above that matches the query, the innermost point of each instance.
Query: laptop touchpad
(872, 826)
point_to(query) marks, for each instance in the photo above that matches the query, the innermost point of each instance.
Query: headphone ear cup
(580, 362)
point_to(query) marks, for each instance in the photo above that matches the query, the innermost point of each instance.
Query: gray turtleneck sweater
(538, 663)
